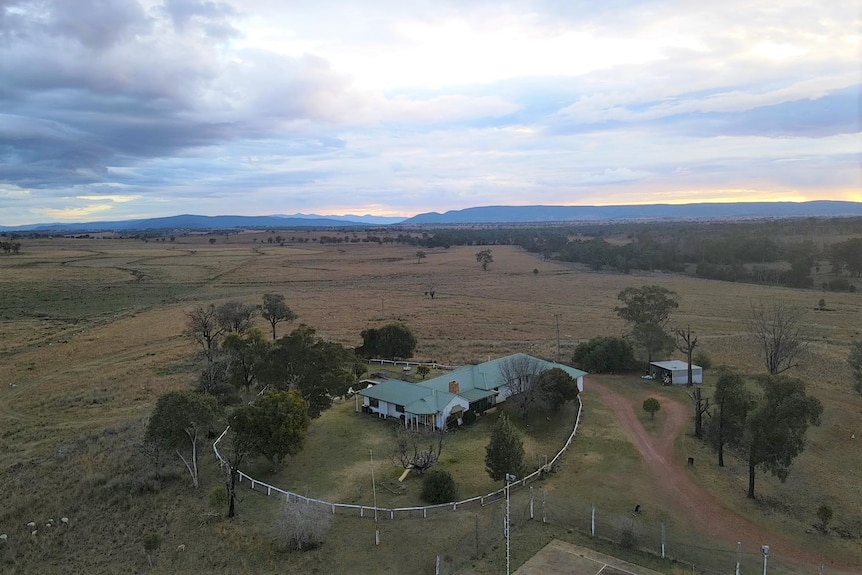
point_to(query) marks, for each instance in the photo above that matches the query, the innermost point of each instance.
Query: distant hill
(366, 219)
(539, 214)
(192, 222)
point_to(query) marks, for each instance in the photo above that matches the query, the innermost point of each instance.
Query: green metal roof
(475, 382)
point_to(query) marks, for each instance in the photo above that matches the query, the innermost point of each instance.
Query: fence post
(593, 523)
(738, 555)
(437, 567)
(531, 502)
(664, 540)
(544, 517)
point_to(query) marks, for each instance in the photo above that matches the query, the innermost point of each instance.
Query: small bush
(824, 514)
(702, 359)
(438, 487)
(218, 497)
(469, 417)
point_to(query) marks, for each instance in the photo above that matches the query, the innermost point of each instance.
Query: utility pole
(374, 492)
(506, 527)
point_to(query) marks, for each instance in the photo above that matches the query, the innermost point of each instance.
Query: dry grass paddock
(91, 333)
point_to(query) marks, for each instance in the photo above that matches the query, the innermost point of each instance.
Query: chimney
(454, 388)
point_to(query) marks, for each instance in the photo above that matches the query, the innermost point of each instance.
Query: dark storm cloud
(86, 89)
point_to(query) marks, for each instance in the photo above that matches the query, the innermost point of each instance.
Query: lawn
(91, 333)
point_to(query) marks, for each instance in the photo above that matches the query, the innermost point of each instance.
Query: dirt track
(707, 512)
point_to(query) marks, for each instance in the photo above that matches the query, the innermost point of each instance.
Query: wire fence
(402, 512)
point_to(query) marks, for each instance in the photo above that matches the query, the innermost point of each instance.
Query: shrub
(218, 497)
(605, 355)
(438, 487)
(702, 359)
(824, 514)
(303, 526)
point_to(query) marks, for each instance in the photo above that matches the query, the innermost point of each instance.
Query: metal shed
(675, 372)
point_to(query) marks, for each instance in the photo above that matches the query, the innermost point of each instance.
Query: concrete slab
(561, 558)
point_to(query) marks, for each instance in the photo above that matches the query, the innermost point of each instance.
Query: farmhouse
(675, 372)
(441, 400)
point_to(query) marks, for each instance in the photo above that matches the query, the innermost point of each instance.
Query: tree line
(728, 251)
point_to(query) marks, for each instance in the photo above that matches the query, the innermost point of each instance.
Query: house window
(373, 402)
(399, 408)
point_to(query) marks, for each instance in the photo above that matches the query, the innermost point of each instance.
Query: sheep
(64, 520)
(47, 525)
(34, 532)
(31, 525)
(181, 547)
(4, 537)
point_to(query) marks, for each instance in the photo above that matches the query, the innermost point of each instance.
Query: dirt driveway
(704, 510)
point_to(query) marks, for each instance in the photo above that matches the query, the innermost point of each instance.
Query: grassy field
(91, 333)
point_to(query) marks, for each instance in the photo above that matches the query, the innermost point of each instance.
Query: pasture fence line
(396, 512)
(405, 363)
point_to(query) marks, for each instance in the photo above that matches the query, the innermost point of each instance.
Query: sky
(126, 109)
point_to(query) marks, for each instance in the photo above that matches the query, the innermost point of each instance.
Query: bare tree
(202, 325)
(521, 372)
(235, 316)
(303, 526)
(685, 342)
(417, 450)
(775, 329)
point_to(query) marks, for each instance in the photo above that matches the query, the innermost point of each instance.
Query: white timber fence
(396, 512)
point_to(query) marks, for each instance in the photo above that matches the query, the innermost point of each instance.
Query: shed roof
(674, 365)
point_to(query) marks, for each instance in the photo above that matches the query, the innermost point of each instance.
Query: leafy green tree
(776, 428)
(653, 340)
(422, 371)
(731, 403)
(439, 487)
(855, 363)
(504, 454)
(247, 353)
(485, 259)
(604, 355)
(275, 310)
(647, 309)
(318, 369)
(279, 420)
(420, 255)
(179, 423)
(554, 388)
(392, 341)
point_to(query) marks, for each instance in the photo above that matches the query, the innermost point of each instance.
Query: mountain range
(477, 215)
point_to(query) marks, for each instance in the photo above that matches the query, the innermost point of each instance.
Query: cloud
(185, 105)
